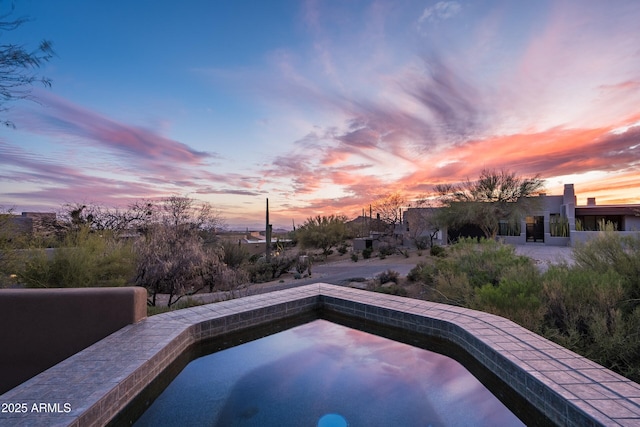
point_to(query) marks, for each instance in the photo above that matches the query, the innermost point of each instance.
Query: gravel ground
(546, 255)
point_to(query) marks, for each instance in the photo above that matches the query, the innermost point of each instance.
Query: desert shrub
(35, 272)
(612, 251)
(451, 288)
(588, 312)
(573, 297)
(86, 259)
(516, 297)
(366, 253)
(302, 262)
(263, 271)
(391, 290)
(481, 262)
(422, 242)
(233, 254)
(259, 271)
(386, 249)
(388, 276)
(343, 249)
(437, 250)
(422, 272)
(354, 257)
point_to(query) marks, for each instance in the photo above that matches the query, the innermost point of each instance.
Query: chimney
(591, 201)
(569, 195)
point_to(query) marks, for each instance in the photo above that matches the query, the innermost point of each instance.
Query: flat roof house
(560, 222)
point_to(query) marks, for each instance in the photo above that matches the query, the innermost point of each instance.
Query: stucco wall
(585, 236)
(632, 223)
(41, 327)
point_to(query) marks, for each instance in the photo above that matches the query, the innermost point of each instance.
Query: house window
(595, 222)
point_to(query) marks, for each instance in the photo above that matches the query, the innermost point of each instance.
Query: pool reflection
(295, 377)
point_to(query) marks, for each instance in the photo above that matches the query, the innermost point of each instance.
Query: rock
(358, 285)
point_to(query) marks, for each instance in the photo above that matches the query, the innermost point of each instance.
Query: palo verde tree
(18, 66)
(494, 196)
(322, 232)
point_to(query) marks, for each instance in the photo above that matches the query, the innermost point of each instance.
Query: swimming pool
(322, 373)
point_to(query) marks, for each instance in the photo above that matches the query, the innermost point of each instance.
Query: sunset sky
(321, 106)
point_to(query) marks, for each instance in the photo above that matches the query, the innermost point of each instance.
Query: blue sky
(322, 106)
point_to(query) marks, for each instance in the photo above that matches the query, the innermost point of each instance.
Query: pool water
(324, 374)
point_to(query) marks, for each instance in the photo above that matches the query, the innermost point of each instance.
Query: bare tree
(495, 196)
(389, 207)
(187, 213)
(18, 65)
(135, 218)
(172, 261)
(422, 224)
(172, 255)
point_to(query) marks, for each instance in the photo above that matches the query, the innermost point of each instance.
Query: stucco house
(560, 222)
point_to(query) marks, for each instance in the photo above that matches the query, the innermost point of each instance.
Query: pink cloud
(62, 117)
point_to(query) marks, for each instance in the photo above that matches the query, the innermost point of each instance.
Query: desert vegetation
(173, 248)
(170, 247)
(591, 307)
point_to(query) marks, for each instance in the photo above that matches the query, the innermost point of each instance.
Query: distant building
(560, 222)
(363, 226)
(32, 224)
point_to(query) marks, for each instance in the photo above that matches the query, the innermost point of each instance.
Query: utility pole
(267, 234)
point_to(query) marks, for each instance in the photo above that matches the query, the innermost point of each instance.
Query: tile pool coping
(98, 382)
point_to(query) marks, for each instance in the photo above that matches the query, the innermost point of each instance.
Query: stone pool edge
(101, 380)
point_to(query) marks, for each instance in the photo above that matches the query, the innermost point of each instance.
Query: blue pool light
(332, 420)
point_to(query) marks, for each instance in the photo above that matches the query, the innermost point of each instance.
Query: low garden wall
(41, 327)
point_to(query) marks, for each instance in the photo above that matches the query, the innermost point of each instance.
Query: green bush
(233, 254)
(343, 249)
(482, 262)
(86, 259)
(451, 288)
(391, 290)
(354, 257)
(366, 253)
(437, 250)
(385, 249)
(422, 272)
(588, 312)
(516, 297)
(613, 251)
(592, 307)
(260, 271)
(263, 271)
